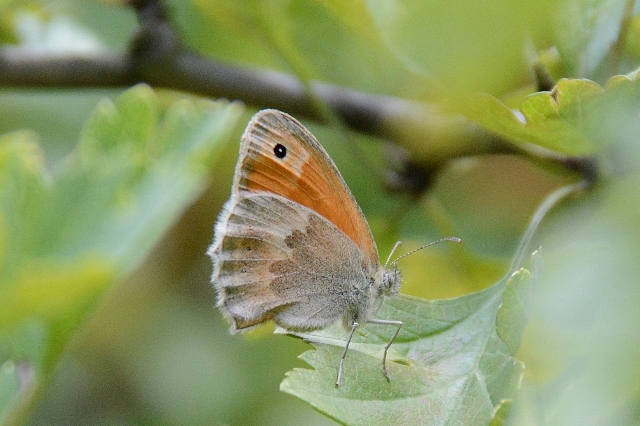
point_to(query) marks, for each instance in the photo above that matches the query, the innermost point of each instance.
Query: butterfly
(291, 245)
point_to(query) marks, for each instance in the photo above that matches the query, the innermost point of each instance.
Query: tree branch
(167, 64)
(157, 57)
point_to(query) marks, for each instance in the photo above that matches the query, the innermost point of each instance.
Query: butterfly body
(291, 244)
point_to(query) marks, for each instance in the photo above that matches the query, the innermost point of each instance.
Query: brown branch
(157, 57)
(158, 60)
(41, 70)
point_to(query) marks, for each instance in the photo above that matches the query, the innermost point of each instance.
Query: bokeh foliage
(105, 309)
(69, 235)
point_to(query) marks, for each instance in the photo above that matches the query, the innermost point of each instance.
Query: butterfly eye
(280, 151)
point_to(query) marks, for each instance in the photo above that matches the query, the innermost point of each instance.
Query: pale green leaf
(65, 239)
(566, 120)
(452, 363)
(464, 46)
(9, 387)
(585, 31)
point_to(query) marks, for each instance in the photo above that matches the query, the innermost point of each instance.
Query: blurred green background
(155, 351)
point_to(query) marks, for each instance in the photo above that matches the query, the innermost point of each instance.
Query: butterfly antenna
(391, 254)
(454, 239)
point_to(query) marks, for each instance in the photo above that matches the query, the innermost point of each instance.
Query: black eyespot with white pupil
(280, 150)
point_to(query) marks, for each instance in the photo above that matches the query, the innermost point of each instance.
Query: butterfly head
(390, 281)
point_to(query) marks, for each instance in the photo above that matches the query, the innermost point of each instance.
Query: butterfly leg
(344, 354)
(386, 348)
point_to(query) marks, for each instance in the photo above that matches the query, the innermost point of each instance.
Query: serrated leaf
(448, 365)
(514, 313)
(65, 239)
(501, 413)
(566, 120)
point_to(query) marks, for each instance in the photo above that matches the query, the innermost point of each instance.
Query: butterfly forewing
(305, 174)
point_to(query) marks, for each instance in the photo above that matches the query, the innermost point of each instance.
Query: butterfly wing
(276, 260)
(305, 175)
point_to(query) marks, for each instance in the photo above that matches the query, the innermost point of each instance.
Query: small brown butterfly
(291, 244)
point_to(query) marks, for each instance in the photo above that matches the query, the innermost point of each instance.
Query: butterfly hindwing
(276, 261)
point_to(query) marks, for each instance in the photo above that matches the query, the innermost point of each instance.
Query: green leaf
(9, 387)
(566, 120)
(584, 31)
(581, 346)
(514, 313)
(452, 363)
(501, 413)
(331, 41)
(65, 239)
(455, 43)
